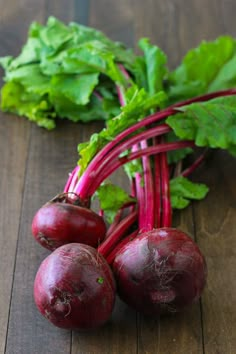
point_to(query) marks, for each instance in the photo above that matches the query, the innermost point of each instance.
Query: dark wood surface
(34, 165)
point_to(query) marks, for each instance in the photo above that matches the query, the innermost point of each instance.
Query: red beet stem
(115, 223)
(111, 256)
(86, 181)
(108, 245)
(195, 164)
(95, 163)
(166, 217)
(157, 186)
(148, 201)
(135, 155)
(139, 191)
(70, 182)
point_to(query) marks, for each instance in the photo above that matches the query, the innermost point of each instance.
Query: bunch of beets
(153, 267)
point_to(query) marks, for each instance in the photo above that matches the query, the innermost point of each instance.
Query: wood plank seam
(18, 233)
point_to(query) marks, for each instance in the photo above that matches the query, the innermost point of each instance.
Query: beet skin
(74, 288)
(160, 271)
(56, 224)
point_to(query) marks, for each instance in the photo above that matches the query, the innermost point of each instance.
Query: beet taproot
(58, 223)
(74, 288)
(160, 271)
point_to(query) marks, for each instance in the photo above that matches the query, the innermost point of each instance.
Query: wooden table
(34, 164)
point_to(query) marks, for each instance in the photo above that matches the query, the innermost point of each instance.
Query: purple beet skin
(74, 288)
(160, 271)
(56, 224)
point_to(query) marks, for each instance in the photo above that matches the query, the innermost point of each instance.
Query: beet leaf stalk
(123, 141)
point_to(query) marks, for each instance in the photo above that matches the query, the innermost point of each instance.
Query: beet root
(160, 271)
(56, 224)
(74, 288)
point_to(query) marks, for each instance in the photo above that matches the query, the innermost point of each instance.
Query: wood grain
(51, 156)
(14, 148)
(216, 230)
(115, 18)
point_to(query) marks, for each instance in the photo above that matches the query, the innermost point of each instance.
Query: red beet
(160, 271)
(57, 223)
(74, 288)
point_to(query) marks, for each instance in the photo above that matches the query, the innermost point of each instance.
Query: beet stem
(158, 116)
(70, 182)
(139, 190)
(110, 242)
(195, 164)
(148, 200)
(157, 186)
(115, 223)
(132, 156)
(166, 217)
(85, 182)
(111, 256)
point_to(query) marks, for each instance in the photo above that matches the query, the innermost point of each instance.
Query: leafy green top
(64, 71)
(74, 71)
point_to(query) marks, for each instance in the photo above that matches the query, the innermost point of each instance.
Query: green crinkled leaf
(31, 78)
(5, 62)
(112, 198)
(66, 108)
(89, 57)
(182, 191)
(37, 108)
(66, 64)
(76, 88)
(110, 107)
(155, 65)
(88, 150)
(140, 74)
(209, 67)
(209, 124)
(55, 33)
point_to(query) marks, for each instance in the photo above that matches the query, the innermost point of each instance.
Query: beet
(74, 288)
(160, 271)
(59, 223)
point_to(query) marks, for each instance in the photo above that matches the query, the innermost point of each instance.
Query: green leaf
(55, 33)
(38, 109)
(66, 108)
(209, 124)
(155, 65)
(5, 62)
(209, 67)
(31, 78)
(182, 191)
(88, 150)
(76, 88)
(140, 74)
(112, 198)
(68, 65)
